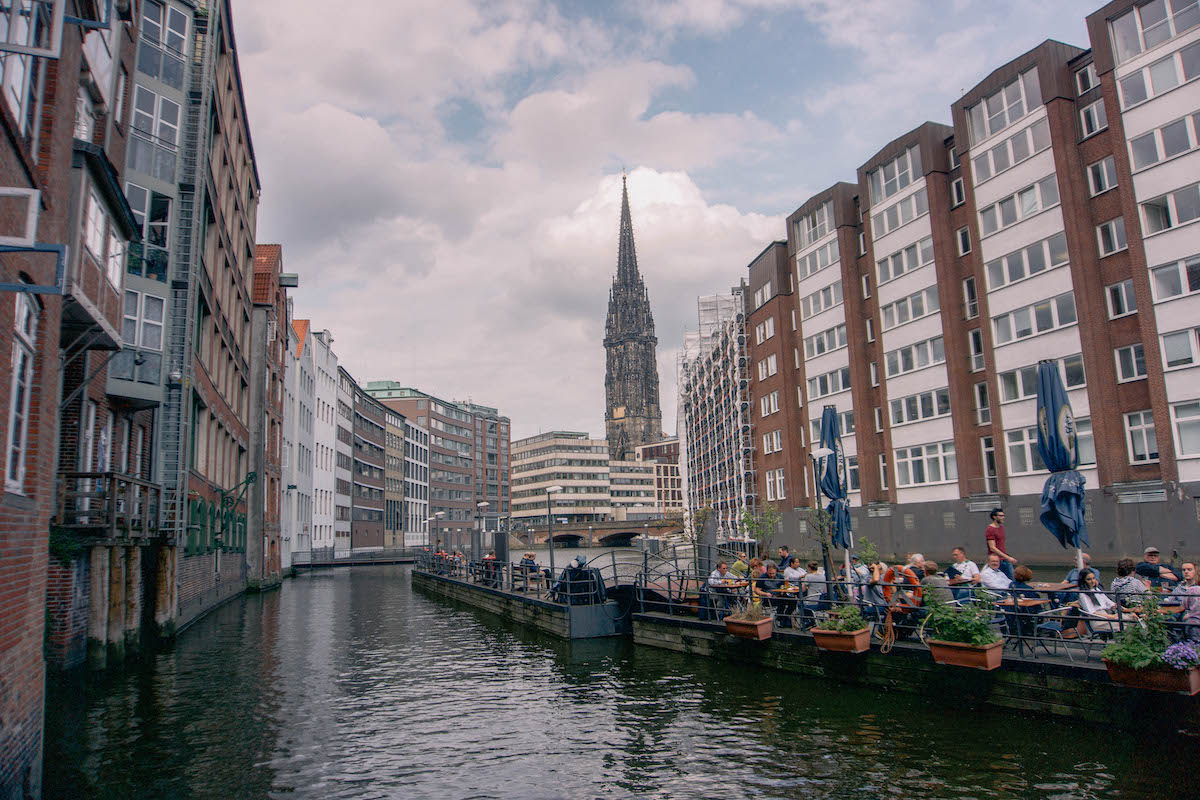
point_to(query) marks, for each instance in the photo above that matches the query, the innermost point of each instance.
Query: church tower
(632, 414)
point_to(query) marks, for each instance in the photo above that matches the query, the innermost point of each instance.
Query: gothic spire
(627, 267)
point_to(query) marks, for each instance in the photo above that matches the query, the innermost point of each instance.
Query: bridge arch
(619, 538)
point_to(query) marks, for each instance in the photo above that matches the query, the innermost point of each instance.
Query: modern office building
(393, 480)
(416, 485)
(668, 484)
(570, 459)
(716, 449)
(344, 460)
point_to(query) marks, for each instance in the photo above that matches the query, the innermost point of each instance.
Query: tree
(699, 521)
(763, 526)
(820, 530)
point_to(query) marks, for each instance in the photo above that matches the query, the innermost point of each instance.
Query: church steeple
(633, 415)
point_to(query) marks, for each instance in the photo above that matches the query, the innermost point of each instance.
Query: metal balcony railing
(108, 504)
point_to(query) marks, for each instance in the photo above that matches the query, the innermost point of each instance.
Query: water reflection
(347, 684)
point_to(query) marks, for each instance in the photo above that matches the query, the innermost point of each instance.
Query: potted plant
(843, 632)
(750, 621)
(962, 635)
(1143, 658)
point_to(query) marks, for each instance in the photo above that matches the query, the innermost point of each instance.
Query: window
(821, 300)
(161, 49)
(970, 299)
(1141, 438)
(1173, 280)
(883, 471)
(958, 192)
(825, 342)
(1085, 79)
(1173, 139)
(907, 309)
(764, 293)
(983, 410)
(1121, 300)
(769, 403)
(1131, 363)
(85, 116)
(1021, 384)
(915, 356)
(866, 286)
(1022, 205)
(22, 77)
(954, 162)
(1023, 455)
(830, 383)
(764, 330)
(1111, 236)
(1179, 349)
(1032, 320)
(862, 244)
(932, 463)
(21, 385)
(1021, 147)
(152, 211)
(878, 419)
(817, 260)
(1151, 24)
(156, 129)
(1171, 210)
(963, 237)
(1187, 428)
(813, 227)
(996, 112)
(901, 213)
(1028, 261)
(1092, 119)
(874, 369)
(870, 323)
(906, 260)
(1160, 77)
(975, 340)
(772, 442)
(102, 241)
(1102, 175)
(852, 480)
(768, 367)
(921, 406)
(895, 175)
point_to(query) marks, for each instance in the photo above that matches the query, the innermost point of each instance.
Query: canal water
(348, 684)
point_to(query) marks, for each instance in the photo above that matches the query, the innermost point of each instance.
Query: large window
(1021, 384)
(1012, 151)
(1038, 318)
(1187, 428)
(1151, 24)
(1172, 210)
(812, 228)
(1110, 237)
(1025, 203)
(1028, 261)
(907, 309)
(152, 148)
(817, 260)
(1121, 300)
(921, 406)
(764, 330)
(1141, 437)
(824, 342)
(895, 175)
(1023, 455)
(830, 383)
(23, 77)
(1173, 139)
(932, 463)
(152, 211)
(821, 300)
(1102, 175)
(1181, 348)
(25, 330)
(997, 111)
(1161, 76)
(915, 356)
(1174, 280)
(162, 46)
(1131, 363)
(102, 241)
(1093, 119)
(906, 260)
(900, 214)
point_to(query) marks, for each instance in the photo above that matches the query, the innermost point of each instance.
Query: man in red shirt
(996, 542)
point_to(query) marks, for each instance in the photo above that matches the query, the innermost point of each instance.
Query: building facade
(416, 485)
(570, 459)
(668, 483)
(393, 489)
(492, 485)
(633, 413)
(344, 460)
(325, 520)
(299, 444)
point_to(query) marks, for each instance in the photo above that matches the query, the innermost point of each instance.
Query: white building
(299, 442)
(325, 374)
(416, 484)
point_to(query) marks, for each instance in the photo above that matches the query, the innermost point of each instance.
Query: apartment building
(1048, 222)
(343, 459)
(325, 517)
(716, 446)
(570, 459)
(492, 485)
(416, 485)
(393, 488)
(668, 484)
(300, 454)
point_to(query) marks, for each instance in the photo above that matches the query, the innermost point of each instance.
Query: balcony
(108, 505)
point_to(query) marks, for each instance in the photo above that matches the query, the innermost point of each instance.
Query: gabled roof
(268, 262)
(300, 326)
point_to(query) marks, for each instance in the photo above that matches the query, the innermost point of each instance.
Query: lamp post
(550, 526)
(436, 516)
(816, 455)
(477, 538)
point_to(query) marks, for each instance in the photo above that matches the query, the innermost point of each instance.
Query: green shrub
(1141, 645)
(970, 623)
(846, 620)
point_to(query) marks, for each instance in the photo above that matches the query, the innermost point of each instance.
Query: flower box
(1156, 679)
(858, 641)
(758, 631)
(958, 654)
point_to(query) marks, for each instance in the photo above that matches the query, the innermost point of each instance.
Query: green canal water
(347, 684)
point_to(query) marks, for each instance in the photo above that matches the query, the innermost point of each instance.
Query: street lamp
(477, 539)
(550, 526)
(436, 516)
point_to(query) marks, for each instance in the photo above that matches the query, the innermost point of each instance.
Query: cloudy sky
(444, 175)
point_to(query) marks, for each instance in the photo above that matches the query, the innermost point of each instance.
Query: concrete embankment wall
(1081, 692)
(548, 617)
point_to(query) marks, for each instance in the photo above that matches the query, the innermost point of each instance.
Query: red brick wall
(67, 592)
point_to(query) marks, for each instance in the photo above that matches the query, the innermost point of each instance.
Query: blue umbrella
(833, 482)
(1062, 497)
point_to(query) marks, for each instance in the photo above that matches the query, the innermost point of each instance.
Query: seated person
(1072, 578)
(792, 572)
(937, 587)
(719, 581)
(1018, 590)
(741, 567)
(527, 567)
(1187, 594)
(1155, 570)
(814, 582)
(1127, 588)
(767, 588)
(961, 573)
(1096, 605)
(915, 562)
(991, 576)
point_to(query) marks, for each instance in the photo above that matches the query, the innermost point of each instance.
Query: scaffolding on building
(715, 441)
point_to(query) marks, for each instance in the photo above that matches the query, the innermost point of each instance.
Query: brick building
(368, 472)
(1050, 221)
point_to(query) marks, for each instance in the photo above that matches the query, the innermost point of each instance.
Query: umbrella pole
(1079, 562)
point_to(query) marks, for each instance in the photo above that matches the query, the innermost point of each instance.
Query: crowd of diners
(1080, 604)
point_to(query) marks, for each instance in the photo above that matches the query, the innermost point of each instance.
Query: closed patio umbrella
(833, 484)
(1063, 503)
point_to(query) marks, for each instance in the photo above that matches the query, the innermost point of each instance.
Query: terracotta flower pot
(758, 631)
(958, 654)
(858, 641)
(1158, 679)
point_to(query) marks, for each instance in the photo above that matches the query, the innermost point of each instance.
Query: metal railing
(1035, 624)
(572, 586)
(108, 504)
(320, 556)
